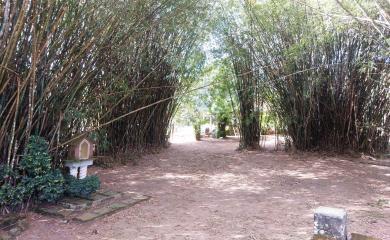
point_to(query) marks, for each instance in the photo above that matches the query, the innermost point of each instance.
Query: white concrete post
(73, 171)
(83, 172)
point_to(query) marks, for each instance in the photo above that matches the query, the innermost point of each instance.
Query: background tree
(222, 100)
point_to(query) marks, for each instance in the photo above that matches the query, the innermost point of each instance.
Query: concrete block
(56, 211)
(85, 217)
(321, 237)
(331, 222)
(117, 206)
(75, 203)
(103, 211)
(98, 198)
(111, 193)
(356, 236)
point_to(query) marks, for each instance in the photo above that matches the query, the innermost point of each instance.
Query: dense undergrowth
(35, 180)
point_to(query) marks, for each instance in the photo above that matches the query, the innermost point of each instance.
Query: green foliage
(34, 180)
(45, 188)
(46, 184)
(14, 196)
(221, 130)
(37, 161)
(6, 172)
(49, 187)
(222, 98)
(268, 122)
(192, 109)
(81, 187)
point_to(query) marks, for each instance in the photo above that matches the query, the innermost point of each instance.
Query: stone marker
(321, 237)
(331, 223)
(356, 236)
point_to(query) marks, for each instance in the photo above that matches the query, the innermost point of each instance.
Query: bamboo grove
(248, 93)
(326, 78)
(113, 69)
(71, 67)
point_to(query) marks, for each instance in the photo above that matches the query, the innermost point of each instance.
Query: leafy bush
(6, 172)
(81, 187)
(47, 184)
(13, 195)
(37, 161)
(33, 180)
(50, 187)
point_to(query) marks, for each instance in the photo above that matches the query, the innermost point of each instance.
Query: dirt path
(207, 190)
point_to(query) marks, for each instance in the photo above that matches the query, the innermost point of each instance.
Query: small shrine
(80, 157)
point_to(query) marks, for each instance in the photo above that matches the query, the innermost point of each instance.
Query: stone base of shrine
(99, 204)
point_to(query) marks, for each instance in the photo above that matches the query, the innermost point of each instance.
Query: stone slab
(331, 222)
(85, 210)
(10, 220)
(5, 236)
(103, 211)
(110, 193)
(356, 236)
(98, 198)
(97, 213)
(75, 203)
(107, 210)
(136, 196)
(130, 201)
(12, 226)
(321, 237)
(55, 210)
(86, 217)
(117, 206)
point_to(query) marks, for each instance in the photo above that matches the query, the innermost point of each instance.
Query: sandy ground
(207, 190)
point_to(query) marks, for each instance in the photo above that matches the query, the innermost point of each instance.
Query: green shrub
(6, 172)
(50, 187)
(81, 187)
(37, 161)
(11, 196)
(35, 178)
